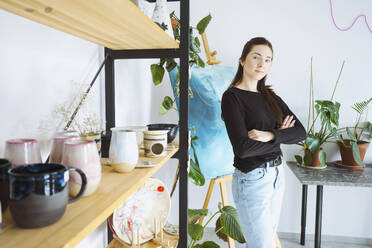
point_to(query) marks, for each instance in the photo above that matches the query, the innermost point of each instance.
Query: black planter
(4, 183)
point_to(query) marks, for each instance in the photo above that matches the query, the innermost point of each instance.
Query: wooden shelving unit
(85, 215)
(125, 33)
(115, 24)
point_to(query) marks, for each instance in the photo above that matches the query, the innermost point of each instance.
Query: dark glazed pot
(172, 130)
(4, 183)
(39, 193)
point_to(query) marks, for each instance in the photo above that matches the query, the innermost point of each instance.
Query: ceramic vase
(155, 143)
(139, 132)
(161, 16)
(123, 152)
(83, 155)
(57, 147)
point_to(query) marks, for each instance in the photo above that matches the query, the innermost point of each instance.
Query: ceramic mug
(22, 151)
(57, 147)
(4, 183)
(139, 132)
(82, 154)
(38, 193)
(123, 152)
(155, 142)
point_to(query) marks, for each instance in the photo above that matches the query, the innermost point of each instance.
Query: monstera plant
(227, 224)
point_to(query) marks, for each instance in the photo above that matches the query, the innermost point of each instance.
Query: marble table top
(332, 175)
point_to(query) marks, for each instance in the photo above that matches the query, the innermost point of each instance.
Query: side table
(333, 176)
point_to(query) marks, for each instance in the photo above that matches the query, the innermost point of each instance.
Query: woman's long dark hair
(266, 90)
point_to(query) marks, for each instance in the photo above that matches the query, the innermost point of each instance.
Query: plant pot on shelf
(347, 158)
(315, 160)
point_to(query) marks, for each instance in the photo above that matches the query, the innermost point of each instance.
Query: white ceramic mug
(82, 154)
(123, 152)
(138, 129)
(22, 151)
(155, 142)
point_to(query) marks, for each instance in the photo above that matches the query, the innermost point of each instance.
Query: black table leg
(318, 218)
(303, 213)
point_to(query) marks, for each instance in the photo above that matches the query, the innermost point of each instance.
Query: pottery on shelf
(82, 154)
(4, 183)
(347, 154)
(155, 143)
(149, 203)
(22, 151)
(139, 132)
(123, 151)
(161, 16)
(57, 148)
(171, 128)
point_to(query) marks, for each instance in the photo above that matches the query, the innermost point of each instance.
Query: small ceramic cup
(155, 143)
(123, 152)
(82, 154)
(57, 147)
(4, 183)
(22, 151)
(39, 193)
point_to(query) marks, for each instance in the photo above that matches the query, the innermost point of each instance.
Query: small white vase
(123, 152)
(161, 16)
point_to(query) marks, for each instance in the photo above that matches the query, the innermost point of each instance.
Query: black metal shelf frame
(183, 54)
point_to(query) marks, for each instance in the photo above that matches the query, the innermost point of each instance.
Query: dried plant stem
(310, 94)
(339, 75)
(84, 95)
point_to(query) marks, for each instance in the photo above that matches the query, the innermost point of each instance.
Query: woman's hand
(263, 136)
(288, 122)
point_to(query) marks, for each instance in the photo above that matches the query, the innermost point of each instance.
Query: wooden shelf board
(116, 24)
(85, 215)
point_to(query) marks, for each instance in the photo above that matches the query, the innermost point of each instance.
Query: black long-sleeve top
(243, 111)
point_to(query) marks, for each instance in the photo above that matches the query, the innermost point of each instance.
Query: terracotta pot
(315, 158)
(347, 153)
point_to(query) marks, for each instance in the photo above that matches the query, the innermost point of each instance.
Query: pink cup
(82, 154)
(57, 147)
(22, 151)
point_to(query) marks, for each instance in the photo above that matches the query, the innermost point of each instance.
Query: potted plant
(157, 72)
(328, 112)
(353, 148)
(226, 224)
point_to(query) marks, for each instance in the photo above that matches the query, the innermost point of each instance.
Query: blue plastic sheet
(213, 148)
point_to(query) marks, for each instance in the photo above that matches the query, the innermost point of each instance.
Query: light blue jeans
(258, 198)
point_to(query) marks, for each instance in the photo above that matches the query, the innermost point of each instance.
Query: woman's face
(258, 62)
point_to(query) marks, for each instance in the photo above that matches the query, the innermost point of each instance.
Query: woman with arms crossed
(257, 122)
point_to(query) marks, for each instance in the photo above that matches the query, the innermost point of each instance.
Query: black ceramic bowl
(172, 133)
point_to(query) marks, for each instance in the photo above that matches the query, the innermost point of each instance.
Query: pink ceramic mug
(22, 151)
(82, 154)
(57, 147)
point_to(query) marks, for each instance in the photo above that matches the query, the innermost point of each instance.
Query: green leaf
(351, 135)
(195, 231)
(230, 221)
(322, 157)
(157, 73)
(201, 62)
(361, 106)
(195, 174)
(298, 159)
(209, 244)
(195, 138)
(202, 25)
(194, 215)
(191, 94)
(162, 110)
(312, 143)
(356, 154)
(197, 41)
(369, 130)
(308, 158)
(171, 64)
(162, 62)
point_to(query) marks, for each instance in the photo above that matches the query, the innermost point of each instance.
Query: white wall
(38, 64)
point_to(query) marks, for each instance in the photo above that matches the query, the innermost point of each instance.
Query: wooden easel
(222, 182)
